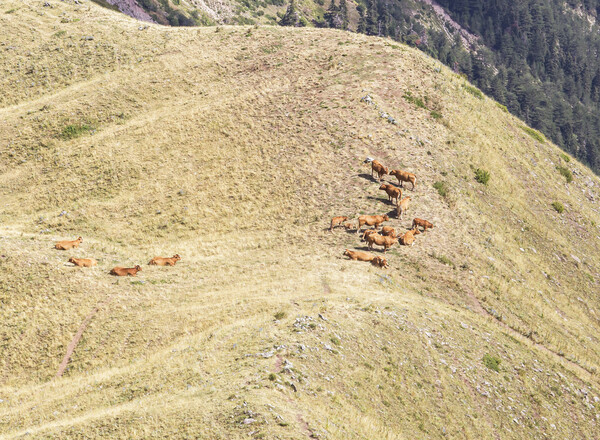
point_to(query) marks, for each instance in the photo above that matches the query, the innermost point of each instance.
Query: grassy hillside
(234, 146)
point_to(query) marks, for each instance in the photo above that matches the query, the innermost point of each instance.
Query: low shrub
(558, 207)
(482, 176)
(492, 362)
(566, 173)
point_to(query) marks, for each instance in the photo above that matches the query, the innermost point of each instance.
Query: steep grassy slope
(233, 147)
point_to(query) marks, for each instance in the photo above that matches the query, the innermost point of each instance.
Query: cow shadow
(391, 214)
(368, 177)
(387, 202)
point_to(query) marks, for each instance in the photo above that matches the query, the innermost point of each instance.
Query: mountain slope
(234, 147)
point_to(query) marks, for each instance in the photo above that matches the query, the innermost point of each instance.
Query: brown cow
(65, 245)
(380, 240)
(367, 233)
(123, 271)
(408, 239)
(365, 256)
(379, 262)
(160, 261)
(404, 176)
(337, 221)
(402, 206)
(392, 191)
(371, 220)
(388, 231)
(359, 255)
(378, 168)
(348, 226)
(83, 262)
(422, 223)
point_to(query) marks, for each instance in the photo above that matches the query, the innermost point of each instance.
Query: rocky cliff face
(131, 8)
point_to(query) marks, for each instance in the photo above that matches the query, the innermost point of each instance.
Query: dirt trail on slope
(73, 344)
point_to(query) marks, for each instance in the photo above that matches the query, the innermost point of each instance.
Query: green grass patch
(533, 133)
(482, 176)
(442, 188)
(565, 157)
(335, 340)
(492, 362)
(10, 11)
(418, 102)
(435, 115)
(502, 107)
(74, 131)
(444, 260)
(473, 91)
(558, 207)
(279, 315)
(568, 175)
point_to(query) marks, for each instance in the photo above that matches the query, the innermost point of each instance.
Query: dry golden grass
(234, 149)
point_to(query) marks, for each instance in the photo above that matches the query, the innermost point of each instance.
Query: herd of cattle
(388, 236)
(118, 270)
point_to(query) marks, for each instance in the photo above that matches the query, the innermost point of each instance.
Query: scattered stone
(62, 213)
(87, 38)
(266, 354)
(248, 421)
(181, 192)
(322, 317)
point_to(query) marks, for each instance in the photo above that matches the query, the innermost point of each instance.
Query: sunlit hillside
(234, 147)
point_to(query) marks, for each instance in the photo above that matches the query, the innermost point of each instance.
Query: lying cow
(160, 261)
(365, 256)
(359, 255)
(65, 245)
(408, 239)
(83, 262)
(379, 262)
(124, 271)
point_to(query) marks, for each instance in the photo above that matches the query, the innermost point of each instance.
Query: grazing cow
(160, 261)
(392, 191)
(379, 262)
(359, 255)
(408, 239)
(83, 262)
(381, 240)
(422, 223)
(337, 221)
(65, 245)
(124, 271)
(404, 176)
(371, 220)
(402, 207)
(379, 169)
